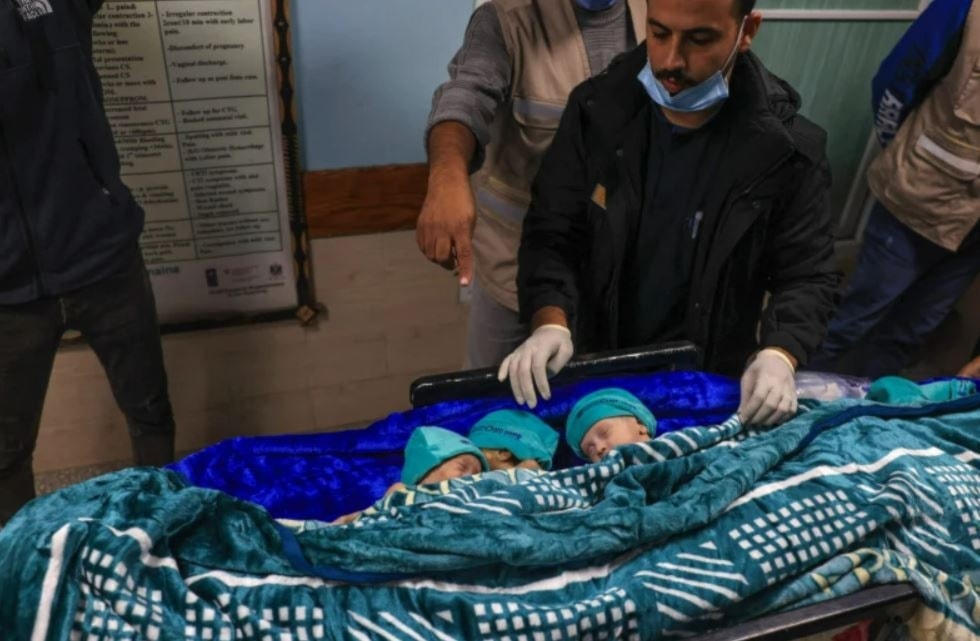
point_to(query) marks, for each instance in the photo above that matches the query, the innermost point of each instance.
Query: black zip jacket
(66, 218)
(766, 225)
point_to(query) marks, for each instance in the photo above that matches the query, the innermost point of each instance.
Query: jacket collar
(758, 118)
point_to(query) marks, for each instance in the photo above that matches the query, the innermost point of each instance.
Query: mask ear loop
(738, 40)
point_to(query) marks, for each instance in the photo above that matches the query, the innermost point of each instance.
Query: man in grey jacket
(498, 114)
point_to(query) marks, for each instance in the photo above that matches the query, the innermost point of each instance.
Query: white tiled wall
(392, 318)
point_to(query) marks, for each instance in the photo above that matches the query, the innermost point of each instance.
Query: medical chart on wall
(190, 90)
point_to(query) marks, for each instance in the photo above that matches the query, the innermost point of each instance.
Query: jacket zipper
(704, 311)
(28, 231)
(613, 295)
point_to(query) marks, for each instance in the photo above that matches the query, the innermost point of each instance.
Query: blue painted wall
(365, 73)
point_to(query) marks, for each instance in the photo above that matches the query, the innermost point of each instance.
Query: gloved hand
(768, 390)
(547, 350)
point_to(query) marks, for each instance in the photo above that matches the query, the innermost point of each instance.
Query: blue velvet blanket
(322, 476)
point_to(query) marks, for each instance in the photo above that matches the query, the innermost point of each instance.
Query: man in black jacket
(69, 230)
(681, 187)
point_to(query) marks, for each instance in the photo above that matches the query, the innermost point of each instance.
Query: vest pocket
(537, 122)
(538, 114)
(96, 174)
(967, 106)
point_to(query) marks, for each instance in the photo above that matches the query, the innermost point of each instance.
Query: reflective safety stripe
(967, 166)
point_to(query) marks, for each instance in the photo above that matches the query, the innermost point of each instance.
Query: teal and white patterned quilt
(691, 531)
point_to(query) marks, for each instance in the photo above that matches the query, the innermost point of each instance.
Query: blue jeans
(117, 317)
(903, 288)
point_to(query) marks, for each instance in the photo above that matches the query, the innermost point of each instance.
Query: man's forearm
(785, 354)
(551, 315)
(451, 146)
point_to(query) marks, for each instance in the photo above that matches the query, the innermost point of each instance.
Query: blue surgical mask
(595, 5)
(701, 97)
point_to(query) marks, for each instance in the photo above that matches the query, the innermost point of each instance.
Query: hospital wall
(392, 318)
(367, 66)
(365, 73)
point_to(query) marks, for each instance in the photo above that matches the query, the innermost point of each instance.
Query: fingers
(769, 404)
(528, 366)
(786, 409)
(443, 252)
(527, 379)
(444, 228)
(509, 370)
(560, 360)
(750, 403)
(426, 233)
(539, 371)
(755, 395)
(462, 242)
(504, 369)
(433, 233)
(777, 408)
(436, 246)
(513, 373)
(513, 368)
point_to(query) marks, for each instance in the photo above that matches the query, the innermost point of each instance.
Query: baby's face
(499, 459)
(505, 460)
(462, 465)
(610, 433)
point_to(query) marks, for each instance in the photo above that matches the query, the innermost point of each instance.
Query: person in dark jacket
(69, 230)
(682, 186)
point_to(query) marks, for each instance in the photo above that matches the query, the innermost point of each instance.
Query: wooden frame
(364, 200)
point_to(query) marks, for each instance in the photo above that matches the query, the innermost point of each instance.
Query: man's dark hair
(744, 7)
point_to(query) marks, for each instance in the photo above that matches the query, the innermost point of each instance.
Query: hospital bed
(881, 605)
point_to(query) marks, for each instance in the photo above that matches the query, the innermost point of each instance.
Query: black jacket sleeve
(803, 277)
(83, 11)
(555, 238)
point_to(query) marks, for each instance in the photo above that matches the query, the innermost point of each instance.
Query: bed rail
(675, 356)
(878, 603)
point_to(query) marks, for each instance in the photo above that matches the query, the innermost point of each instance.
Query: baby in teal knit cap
(434, 454)
(606, 419)
(512, 440)
(515, 439)
(501, 440)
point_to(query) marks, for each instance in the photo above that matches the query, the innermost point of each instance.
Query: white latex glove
(546, 351)
(768, 390)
